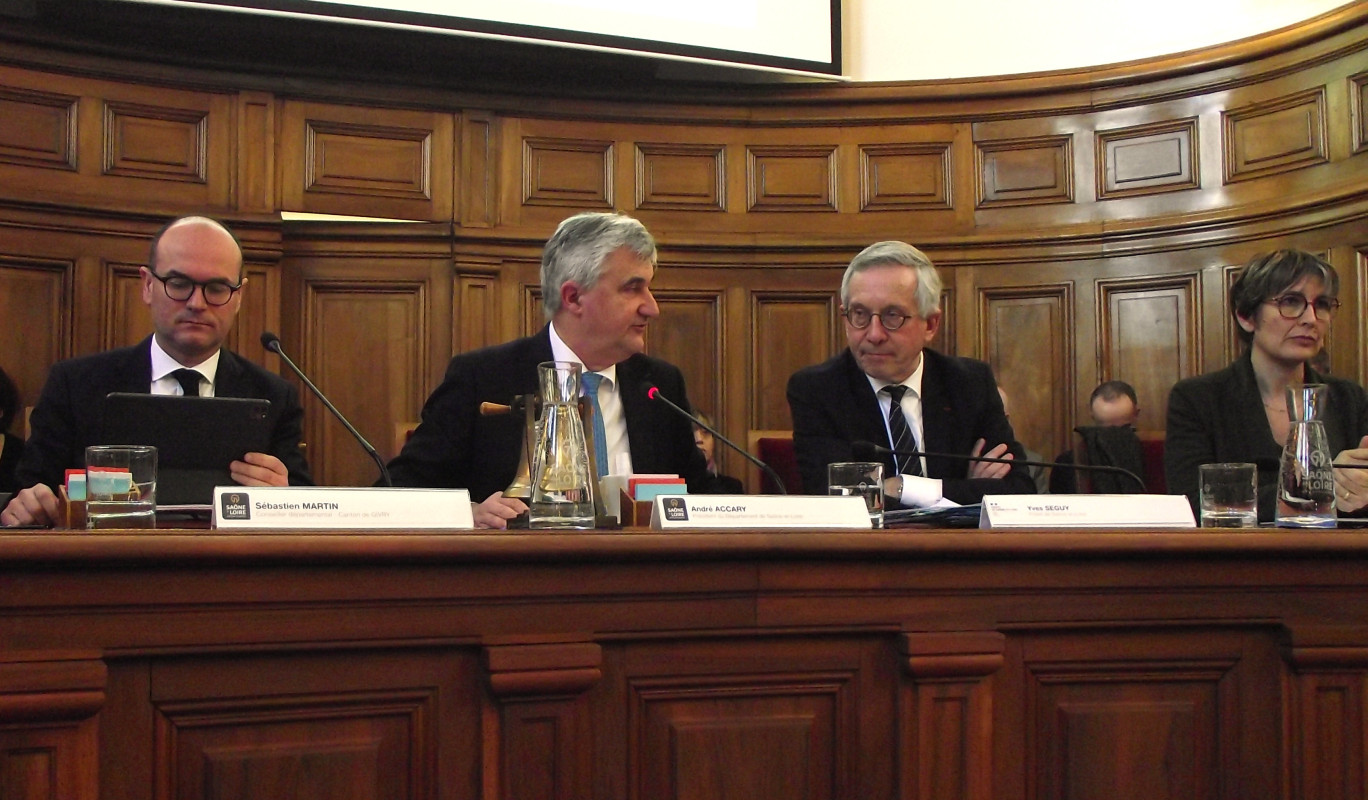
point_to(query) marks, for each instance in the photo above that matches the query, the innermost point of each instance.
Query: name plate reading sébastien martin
(758, 511)
(332, 507)
(1086, 511)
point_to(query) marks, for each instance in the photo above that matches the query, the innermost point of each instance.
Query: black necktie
(189, 381)
(901, 433)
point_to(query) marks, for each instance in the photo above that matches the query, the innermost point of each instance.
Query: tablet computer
(196, 438)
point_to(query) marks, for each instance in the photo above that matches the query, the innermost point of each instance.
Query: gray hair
(580, 245)
(884, 253)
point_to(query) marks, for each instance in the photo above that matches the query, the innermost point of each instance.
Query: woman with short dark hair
(1283, 303)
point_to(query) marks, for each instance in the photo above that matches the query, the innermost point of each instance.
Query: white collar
(560, 351)
(163, 364)
(913, 382)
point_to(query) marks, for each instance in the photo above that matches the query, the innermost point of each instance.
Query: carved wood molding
(952, 655)
(542, 669)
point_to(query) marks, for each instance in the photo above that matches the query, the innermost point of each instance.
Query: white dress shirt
(917, 491)
(610, 403)
(163, 365)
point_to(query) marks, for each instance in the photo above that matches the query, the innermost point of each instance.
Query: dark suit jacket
(67, 418)
(1220, 417)
(454, 447)
(833, 406)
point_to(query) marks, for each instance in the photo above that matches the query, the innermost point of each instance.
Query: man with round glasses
(887, 387)
(192, 286)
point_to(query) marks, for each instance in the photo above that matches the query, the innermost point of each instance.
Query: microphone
(272, 343)
(868, 451)
(654, 394)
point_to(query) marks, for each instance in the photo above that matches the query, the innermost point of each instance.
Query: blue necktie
(591, 382)
(901, 433)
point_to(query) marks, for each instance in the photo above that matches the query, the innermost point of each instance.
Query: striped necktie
(591, 381)
(189, 381)
(901, 433)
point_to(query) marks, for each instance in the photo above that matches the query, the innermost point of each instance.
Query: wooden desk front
(929, 664)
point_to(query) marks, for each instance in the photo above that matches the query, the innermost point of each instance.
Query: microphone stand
(272, 342)
(653, 393)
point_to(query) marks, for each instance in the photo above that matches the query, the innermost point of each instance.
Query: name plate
(1086, 511)
(758, 511)
(316, 507)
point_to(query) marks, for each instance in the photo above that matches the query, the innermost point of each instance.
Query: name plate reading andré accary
(758, 511)
(331, 507)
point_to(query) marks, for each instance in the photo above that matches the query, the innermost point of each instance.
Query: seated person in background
(717, 484)
(596, 291)
(1112, 404)
(11, 446)
(888, 388)
(1038, 476)
(192, 285)
(1283, 303)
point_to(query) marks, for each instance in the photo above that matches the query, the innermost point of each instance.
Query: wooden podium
(642, 666)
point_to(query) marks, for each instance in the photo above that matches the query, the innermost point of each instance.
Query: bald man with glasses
(887, 387)
(192, 286)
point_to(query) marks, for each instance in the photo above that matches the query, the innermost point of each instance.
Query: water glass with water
(859, 478)
(1230, 495)
(121, 487)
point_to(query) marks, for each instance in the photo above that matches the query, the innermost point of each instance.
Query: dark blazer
(454, 447)
(833, 406)
(67, 417)
(1220, 417)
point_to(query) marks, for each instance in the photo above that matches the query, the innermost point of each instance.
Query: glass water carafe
(562, 488)
(1306, 475)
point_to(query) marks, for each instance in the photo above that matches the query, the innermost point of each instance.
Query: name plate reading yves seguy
(1086, 511)
(332, 507)
(758, 511)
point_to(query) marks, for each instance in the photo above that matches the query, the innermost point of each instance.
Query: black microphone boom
(654, 394)
(272, 342)
(868, 451)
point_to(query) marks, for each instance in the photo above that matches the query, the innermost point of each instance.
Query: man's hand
(1351, 485)
(260, 469)
(36, 505)
(497, 510)
(988, 469)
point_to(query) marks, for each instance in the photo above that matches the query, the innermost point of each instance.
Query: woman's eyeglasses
(1292, 306)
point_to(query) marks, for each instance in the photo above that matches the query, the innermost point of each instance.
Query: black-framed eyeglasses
(861, 317)
(1293, 305)
(181, 288)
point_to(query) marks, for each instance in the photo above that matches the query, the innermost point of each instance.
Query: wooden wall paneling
(763, 719)
(249, 726)
(477, 305)
(255, 154)
(479, 177)
(1357, 337)
(49, 745)
(681, 177)
(1277, 135)
(35, 302)
(1150, 329)
(794, 329)
(689, 334)
(1358, 105)
(1172, 719)
(1148, 159)
(115, 144)
(1326, 706)
(788, 178)
(371, 315)
(128, 319)
(371, 162)
(947, 714)
(1023, 335)
(1031, 171)
(902, 177)
(570, 173)
(539, 747)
